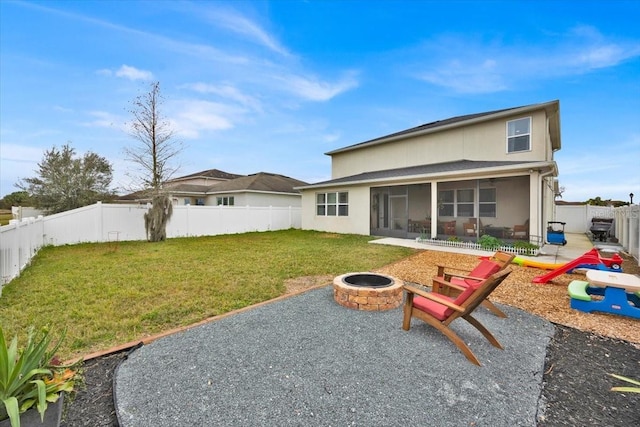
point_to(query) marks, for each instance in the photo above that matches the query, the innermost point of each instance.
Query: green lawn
(106, 295)
(5, 216)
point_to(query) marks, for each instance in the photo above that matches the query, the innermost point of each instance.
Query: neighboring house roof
(462, 166)
(552, 108)
(259, 182)
(210, 173)
(189, 188)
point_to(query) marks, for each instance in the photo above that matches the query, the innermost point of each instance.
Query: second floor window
(519, 135)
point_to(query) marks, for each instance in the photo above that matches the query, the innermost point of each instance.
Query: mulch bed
(576, 383)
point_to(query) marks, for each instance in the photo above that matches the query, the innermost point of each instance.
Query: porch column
(434, 209)
(535, 206)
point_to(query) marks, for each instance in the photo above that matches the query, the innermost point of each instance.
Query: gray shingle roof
(431, 169)
(262, 181)
(209, 173)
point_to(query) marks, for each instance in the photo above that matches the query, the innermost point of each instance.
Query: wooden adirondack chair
(499, 261)
(440, 310)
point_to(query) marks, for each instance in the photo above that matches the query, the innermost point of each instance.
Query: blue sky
(256, 86)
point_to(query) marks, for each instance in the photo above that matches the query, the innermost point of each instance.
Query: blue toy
(614, 300)
(555, 233)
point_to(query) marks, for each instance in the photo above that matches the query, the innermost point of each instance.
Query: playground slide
(591, 257)
(535, 264)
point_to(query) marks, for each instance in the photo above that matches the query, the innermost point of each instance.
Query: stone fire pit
(368, 291)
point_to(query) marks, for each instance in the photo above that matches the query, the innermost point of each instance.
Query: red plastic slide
(591, 257)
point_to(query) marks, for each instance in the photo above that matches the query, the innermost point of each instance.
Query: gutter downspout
(541, 215)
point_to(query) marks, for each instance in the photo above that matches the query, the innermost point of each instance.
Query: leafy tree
(597, 201)
(17, 198)
(66, 182)
(153, 157)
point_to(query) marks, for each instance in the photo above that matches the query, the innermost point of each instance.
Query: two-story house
(487, 173)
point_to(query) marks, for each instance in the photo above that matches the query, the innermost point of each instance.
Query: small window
(199, 202)
(465, 203)
(225, 201)
(487, 202)
(445, 202)
(332, 204)
(187, 201)
(519, 135)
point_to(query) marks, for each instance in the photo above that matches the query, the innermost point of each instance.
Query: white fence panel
(21, 240)
(627, 224)
(578, 218)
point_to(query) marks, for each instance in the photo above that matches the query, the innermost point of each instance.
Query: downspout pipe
(542, 177)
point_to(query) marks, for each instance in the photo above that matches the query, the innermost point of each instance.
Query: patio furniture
(469, 229)
(499, 261)
(478, 224)
(449, 228)
(440, 310)
(420, 226)
(498, 232)
(521, 231)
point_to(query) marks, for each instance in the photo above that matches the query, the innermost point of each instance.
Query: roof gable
(552, 108)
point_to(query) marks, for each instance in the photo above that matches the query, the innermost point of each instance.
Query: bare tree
(153, 157)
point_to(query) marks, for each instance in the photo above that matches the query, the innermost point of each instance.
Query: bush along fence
(21, 239)
(485, 243)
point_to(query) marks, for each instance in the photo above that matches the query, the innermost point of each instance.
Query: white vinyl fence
(578, 218)
(21, 240)
(626, 223)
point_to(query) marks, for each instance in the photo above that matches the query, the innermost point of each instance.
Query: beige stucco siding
(481, 141)
(357, 222)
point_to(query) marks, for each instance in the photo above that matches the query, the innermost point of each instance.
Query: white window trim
(326, 203)
(472, 202)
(456, 202)
(529, 134)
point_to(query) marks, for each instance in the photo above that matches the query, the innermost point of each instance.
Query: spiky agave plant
(626, 389)
(28, 377)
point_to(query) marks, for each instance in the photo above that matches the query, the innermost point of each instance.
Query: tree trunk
(156, 219)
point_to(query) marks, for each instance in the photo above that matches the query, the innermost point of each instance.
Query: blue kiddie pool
(555, 233)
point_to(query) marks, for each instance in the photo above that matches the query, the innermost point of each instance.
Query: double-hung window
(487, 202)
(519, 135)
(456, 202)
(446, 202)
(332, 204)
(464, 202)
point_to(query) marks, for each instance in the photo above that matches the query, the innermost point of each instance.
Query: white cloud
(313, 89)
(103, 119)
(242, 25)
(227, 91)
(133, 73)
(469, 65)
(195, 116)
(20, 153)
